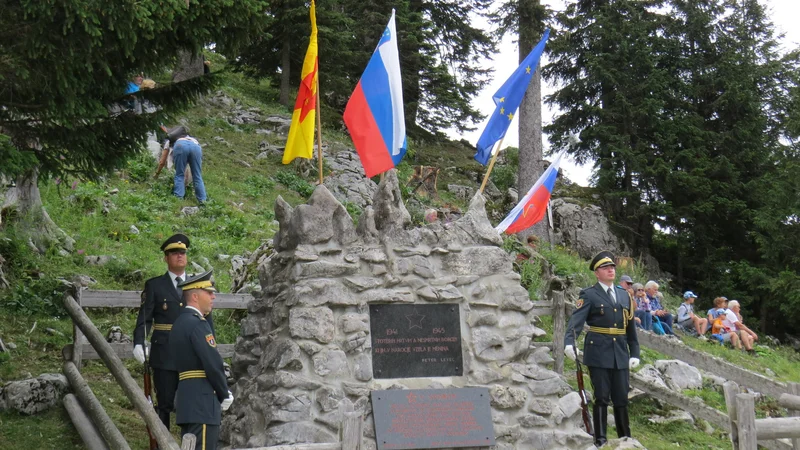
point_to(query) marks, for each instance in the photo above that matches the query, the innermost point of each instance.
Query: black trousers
(207, 435)
(166, 384)
(610, 385)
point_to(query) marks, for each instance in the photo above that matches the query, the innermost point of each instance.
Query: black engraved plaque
(416, 341)
(432, 418)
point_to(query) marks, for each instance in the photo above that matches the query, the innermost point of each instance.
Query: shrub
(294, 182)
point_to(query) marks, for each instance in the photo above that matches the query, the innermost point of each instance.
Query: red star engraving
(415, 320)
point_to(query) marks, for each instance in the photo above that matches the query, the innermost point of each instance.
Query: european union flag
(507, 100)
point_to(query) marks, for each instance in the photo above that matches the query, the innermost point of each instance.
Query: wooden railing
(132, 299)
(746, 430)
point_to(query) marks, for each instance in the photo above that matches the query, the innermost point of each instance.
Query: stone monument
(307, 347)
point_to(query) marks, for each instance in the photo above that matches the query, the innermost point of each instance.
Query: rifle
(587, 424)
(148, 387)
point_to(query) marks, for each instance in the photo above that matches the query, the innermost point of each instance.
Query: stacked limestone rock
(305, 347)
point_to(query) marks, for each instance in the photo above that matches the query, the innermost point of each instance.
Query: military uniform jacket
(202, 386)
(611, 340)
(161, 307)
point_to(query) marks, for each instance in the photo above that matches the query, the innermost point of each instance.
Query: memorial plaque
(415, 341)
(432, 418)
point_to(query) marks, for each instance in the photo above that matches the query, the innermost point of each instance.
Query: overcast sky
(784, 15)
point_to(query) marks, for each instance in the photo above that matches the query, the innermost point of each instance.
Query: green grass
(782, 361)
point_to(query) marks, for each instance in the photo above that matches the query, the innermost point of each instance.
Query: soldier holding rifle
(611, 347)
(162, 303)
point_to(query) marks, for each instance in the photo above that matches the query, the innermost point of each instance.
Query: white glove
(569, 352)
(138, 354)
(633, 363)
(227, 402)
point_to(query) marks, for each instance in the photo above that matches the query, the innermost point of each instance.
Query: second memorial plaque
(416, 341)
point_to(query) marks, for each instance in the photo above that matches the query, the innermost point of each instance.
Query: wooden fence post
(86, 429)
(746, 421)
(794, 389)
(77, 337)
(559, 319)
(93, 407)
(123, 377)
(188, 442)
(730, 389)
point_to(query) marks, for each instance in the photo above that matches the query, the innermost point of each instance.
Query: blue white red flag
(507, 100)
(531, 209)
(374, 114)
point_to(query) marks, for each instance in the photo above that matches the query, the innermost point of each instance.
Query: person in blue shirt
(657, 310)
(133, 86)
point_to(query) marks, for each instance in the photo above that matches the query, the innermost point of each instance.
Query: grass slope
(238, 217)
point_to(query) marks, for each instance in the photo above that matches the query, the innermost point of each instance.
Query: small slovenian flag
(530, 210)
(374, 114)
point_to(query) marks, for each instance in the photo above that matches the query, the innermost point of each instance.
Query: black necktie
(178, 281)
(611, 294)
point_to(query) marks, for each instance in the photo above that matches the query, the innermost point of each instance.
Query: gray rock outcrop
(679, 375)
(347, 181)
(584, 229)
(305, 348)
(33, 395)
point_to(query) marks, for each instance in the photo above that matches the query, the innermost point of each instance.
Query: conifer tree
(63, 76)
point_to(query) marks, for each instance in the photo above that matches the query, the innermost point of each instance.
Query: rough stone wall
(305, 347)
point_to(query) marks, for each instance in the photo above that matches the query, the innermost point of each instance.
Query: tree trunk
(23, 207)
(531, 163)
(286, 61)
(190, 65)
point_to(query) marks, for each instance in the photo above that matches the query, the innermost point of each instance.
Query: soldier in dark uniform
(202, 390)
(611, 347)
(162, 303)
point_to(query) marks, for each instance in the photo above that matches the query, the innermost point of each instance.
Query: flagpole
(319, 133)
(491, 165)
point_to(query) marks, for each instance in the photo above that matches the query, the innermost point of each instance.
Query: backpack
(657, 327)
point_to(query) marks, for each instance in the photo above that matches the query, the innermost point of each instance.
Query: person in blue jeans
(657, 310)
(188, 151)
(642, 312)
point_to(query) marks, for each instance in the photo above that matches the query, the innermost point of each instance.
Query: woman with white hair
(733, 320)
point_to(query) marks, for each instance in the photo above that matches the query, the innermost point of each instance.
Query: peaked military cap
(602, 259)
(202, 281)
(175, 242)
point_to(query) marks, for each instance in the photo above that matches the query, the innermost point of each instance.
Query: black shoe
(600, 421)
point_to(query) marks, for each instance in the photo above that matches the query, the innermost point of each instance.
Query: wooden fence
(132, 299)
(746, 430)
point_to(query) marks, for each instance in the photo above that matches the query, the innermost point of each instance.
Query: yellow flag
(300, 143)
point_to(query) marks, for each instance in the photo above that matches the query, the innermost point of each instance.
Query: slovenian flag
(530, 210)
(374, 114)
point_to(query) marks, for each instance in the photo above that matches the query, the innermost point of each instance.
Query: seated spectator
(722, 332)
(734, 321)
(658, 311)
(642, 313)
(626, 282)
(687, 318)
(719, 303)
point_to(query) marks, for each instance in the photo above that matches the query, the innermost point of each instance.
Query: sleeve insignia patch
(579, 303)
(210, 340)
(143, 297)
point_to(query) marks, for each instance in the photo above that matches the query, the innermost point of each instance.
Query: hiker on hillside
(203, 388)
(162, 303)
(611, 347)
